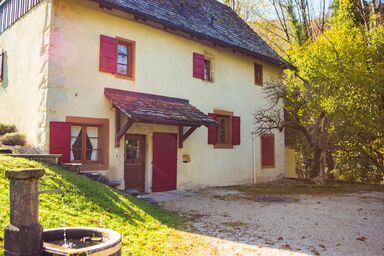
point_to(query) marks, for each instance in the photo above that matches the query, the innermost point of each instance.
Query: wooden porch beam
(123, 131)
(183, 136)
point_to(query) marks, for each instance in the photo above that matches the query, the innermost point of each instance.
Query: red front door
(164, 162)
(134, 164)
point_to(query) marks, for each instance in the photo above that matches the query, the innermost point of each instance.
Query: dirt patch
(345, 224)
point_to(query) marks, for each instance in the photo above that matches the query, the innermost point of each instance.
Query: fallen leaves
(361, 238)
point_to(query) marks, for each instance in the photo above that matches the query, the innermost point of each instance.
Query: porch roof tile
(143, 107)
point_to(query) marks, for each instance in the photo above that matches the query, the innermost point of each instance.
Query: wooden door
(134, 166)
(164, 162)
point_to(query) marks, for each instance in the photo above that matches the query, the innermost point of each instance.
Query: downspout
(254, 156)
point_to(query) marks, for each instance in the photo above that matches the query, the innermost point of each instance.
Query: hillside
(146, 229)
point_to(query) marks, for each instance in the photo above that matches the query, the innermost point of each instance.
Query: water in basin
(76, 243)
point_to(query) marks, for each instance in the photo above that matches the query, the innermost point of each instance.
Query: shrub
(6, 128)
(14, 139)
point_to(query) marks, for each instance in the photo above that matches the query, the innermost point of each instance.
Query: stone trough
(25, 236)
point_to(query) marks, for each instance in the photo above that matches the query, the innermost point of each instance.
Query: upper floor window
(258, 74)
(117, 56)
(202, 67)
(207, 70)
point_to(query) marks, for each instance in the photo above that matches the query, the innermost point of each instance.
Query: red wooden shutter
(108, 54)
(60, 140)
(1, 64)
(198, 66)
(268, 150)
(258, 74)
(212, 132)
(235, 130)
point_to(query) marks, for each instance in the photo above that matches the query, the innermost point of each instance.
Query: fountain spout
(58, 191)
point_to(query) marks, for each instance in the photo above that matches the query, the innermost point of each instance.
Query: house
(156, 94)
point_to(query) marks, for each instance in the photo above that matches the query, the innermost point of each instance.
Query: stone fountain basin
(110, 244)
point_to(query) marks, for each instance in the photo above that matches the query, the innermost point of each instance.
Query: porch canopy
(155, 109)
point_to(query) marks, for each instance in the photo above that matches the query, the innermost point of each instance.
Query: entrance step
(165, 196)
(132, 192)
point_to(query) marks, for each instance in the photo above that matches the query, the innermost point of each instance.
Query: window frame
(274, 151)
(258, 68)
(103, 141)
(131, 58)
(84, 144)
(208, 69)
(228, 115)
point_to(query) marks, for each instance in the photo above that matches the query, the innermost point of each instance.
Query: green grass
(146, 229)
(297, 187)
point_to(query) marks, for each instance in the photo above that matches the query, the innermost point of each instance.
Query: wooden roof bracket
(121, 131)
(183, 136)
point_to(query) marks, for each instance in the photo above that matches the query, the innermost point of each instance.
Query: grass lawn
(297, 187)
(146, 229)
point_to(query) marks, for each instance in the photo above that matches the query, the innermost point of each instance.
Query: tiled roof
(205, 19)
(143, 107)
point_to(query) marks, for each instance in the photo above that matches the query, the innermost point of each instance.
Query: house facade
(158, 96)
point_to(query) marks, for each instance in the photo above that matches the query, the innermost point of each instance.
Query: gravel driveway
(349, 224)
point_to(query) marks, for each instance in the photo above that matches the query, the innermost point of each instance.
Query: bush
(14, 139)
(6, 128)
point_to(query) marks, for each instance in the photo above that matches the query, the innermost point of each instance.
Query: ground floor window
(89, 141)
(224, 131)
(267, 151)
(85, 144)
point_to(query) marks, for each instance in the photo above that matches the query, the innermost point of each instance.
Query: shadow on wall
(5, 82)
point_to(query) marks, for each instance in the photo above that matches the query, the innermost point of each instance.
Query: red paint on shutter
(60, 140)
(1, 64)
(198, 66)
(164, 176)
(235, 130)
(268, 150)
(108, 54)
(212, 131)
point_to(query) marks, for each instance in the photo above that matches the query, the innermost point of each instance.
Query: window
(89, 142)
(207, 70)
(117, 56)
(203, 67)
(85, 144)
(258, 74)
(125, 54)
(224, 137)
(227, 132)
(267, 151)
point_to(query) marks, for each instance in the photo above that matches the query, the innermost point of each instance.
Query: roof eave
(281, 63)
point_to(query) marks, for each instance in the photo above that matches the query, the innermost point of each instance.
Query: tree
(333, 102)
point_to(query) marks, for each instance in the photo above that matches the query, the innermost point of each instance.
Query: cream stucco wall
(24, 88)
(290, 163)
(164, 67)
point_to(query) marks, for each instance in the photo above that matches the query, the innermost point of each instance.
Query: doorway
(134, 162)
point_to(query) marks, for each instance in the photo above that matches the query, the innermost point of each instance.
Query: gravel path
(350, 224)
